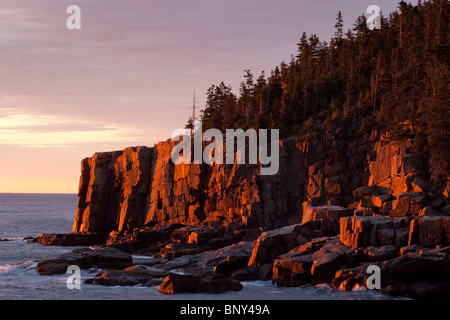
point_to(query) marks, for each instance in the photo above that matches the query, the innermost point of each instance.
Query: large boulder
(275, 242)
(350, 278)
(292, 269)
(363, 231)
(226, 260)
(315, 262)
(131, 276)
(327, 260)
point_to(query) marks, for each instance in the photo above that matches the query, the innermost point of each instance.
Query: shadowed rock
(85, 258)
(176, 283)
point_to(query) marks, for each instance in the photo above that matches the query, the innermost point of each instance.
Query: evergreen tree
(394, 79)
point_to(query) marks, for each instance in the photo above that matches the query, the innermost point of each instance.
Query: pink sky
(127, 77)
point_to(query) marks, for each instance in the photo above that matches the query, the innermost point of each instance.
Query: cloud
(127, 77)
(39, 131)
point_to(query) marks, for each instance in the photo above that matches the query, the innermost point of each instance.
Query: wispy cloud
(127, 77)
(37, 131)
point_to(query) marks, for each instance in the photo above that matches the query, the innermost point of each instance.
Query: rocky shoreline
(355, 204)
(333, 245)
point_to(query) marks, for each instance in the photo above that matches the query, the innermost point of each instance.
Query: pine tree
(394, 79)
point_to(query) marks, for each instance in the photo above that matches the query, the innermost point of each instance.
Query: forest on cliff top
(394, 80)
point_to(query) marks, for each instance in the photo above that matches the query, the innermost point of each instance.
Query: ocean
(25, 215)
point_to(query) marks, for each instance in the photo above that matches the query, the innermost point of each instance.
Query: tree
(394, 79)
(220, 107)
(438, 122)
(339, 33)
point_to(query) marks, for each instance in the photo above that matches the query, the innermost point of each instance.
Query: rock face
(336, 206)
(394, 165)
(139, 186)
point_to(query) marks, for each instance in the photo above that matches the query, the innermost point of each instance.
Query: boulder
(227, 259)
(431, 230)
(292, 270)
(275, 242)
(418, 272)
(72, 239)
(231, 264)
(314, 262)
(131, 276)
(378, 253)
(333, 213)
(204, 235)
(327, 260)
(364, 231)
(413, 269)
(245, 274)
(350, 278)
(178, 249)
(141, 240)
(84, 258)
(176, 283)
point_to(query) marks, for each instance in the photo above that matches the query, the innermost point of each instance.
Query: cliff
(141, 186)
(336, 206)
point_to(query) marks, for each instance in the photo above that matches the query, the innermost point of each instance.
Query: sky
(127, 77)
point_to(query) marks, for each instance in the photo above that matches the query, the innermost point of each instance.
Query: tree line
(394, 79)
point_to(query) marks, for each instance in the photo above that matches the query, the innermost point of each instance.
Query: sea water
(25, 215)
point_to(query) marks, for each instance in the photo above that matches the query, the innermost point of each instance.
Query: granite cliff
(141, 186)
(335, 206)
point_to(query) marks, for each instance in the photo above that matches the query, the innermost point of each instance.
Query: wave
(10, 239)
(26, 265)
